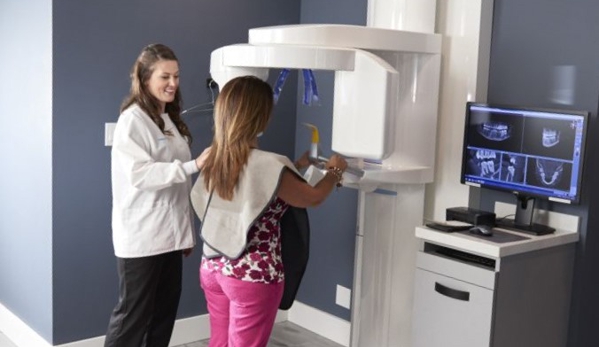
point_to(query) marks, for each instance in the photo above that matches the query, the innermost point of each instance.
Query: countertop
(486, 247)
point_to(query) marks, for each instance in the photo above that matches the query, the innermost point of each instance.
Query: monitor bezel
(582, 164)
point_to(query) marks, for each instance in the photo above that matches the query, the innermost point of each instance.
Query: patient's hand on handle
(337, 161)
(296, 192)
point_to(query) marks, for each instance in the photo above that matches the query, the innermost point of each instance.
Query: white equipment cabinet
(473, 292)
(452, 311)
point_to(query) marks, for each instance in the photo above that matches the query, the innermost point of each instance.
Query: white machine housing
(386, 89)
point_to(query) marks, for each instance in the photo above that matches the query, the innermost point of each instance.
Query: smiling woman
(164, 81)
(151, 216)
(155, 87)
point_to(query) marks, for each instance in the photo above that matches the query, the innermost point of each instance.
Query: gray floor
(284, 334)
(287, 334)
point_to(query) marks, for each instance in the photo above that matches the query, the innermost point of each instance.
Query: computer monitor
(533, 153)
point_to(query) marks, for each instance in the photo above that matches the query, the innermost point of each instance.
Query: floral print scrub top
(261, 262)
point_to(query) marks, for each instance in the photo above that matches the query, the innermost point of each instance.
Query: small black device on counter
(482, 230)
(470, 216)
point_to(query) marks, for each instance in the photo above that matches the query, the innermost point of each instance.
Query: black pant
(150, 288)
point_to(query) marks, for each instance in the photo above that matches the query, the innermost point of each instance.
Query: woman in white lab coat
(152, 225)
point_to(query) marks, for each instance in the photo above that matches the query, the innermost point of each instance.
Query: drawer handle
(452, 293)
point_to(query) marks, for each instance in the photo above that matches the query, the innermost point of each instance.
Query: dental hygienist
(152, 225)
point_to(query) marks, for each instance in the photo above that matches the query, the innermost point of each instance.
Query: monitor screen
(530, 152)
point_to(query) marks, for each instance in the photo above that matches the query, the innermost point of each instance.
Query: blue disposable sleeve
(279, 84)
(314, 88)
(307, 88)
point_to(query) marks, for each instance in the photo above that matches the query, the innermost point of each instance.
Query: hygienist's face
(164, 81)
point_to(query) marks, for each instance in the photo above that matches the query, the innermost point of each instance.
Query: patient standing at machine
(240, 197)
(152, 225)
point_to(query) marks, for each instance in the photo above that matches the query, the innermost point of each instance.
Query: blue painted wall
(530, 39)
(86, 62)
(333, 224)
(26, 162)
(68, 67)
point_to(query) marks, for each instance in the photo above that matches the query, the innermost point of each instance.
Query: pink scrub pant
(242, 313)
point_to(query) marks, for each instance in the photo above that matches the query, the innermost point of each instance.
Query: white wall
(466, 28)
(26, 161)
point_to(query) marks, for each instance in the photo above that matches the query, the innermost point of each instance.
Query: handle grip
(352, 170)
(452, 293)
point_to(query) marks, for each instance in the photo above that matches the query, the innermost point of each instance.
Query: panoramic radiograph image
(496, 131)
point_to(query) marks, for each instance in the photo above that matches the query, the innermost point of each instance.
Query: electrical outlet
(109, 133)
(343, 297)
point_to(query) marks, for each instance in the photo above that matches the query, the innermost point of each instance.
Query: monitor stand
(523, 219)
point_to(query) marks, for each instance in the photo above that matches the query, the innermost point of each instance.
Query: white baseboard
(321, 323)
(18, 332)
(187, 330)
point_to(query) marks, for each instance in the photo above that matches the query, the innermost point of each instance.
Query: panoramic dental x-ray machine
(384, 111)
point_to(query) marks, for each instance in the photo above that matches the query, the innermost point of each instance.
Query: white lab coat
(151, 182)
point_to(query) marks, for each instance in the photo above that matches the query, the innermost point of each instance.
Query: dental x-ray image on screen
(484, 163)
(553, 138)
(551, 174)
(530, 152)
(512, 168)
(490, 131)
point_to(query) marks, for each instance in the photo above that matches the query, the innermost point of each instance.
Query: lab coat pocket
(183, 223)
(152, 226)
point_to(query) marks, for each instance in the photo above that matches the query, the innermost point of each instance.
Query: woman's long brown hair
(139, 94)
(242, 110)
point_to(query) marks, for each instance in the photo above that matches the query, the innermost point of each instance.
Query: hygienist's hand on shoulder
(201, 159)
(296, 192)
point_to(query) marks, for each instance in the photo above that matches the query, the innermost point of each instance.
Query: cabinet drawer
(450, 313)
(456, 269)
